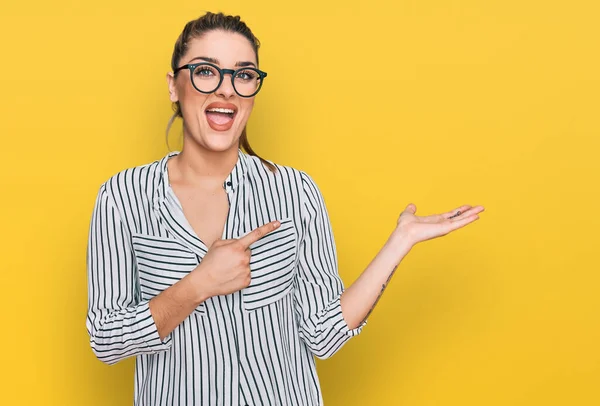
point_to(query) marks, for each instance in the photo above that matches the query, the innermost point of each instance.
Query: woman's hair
(196, 29)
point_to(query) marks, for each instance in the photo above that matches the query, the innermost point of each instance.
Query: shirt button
(228, 183)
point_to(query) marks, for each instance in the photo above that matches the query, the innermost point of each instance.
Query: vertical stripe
(256, 346)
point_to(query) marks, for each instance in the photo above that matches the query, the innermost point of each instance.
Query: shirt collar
(235, 177)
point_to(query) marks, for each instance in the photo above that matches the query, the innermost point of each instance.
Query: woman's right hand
(226, 266)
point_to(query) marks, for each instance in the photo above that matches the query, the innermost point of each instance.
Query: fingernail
(276, 224)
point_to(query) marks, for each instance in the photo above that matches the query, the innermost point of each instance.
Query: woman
(216, 268)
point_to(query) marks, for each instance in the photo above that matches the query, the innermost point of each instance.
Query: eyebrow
(216, 61)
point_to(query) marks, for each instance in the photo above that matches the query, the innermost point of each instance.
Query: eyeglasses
(207, 77)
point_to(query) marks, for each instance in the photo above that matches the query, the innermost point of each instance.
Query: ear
(172, 88)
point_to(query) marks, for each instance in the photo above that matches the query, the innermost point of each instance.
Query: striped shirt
(256, 346)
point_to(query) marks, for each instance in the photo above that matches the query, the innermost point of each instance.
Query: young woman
(216, 268)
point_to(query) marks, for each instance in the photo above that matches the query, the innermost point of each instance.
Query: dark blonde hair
(196, 29)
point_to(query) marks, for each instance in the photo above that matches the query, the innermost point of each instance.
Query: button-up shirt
(256, 346)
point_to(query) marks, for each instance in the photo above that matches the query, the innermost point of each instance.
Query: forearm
(359, 299)
(176, 303)
(141, 328)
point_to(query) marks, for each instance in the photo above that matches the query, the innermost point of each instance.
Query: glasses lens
(247, 81)
(205, 78)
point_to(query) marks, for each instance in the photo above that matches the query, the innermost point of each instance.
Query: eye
(246, 75)
(205, 71)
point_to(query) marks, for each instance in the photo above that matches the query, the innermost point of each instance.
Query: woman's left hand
(421, 228)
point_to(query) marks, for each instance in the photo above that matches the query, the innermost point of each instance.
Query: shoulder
(132, 182)
(297, 181)
(285, 173)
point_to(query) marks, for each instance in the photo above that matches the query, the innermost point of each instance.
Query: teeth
(220, 110)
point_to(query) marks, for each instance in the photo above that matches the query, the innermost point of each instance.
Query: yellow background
(440, 103)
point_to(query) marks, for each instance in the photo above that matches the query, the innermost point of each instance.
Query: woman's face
(212, 130)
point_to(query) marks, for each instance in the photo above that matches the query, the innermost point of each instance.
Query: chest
(205, 210)
(177, 243)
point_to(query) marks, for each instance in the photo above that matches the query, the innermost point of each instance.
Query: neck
(197, 165)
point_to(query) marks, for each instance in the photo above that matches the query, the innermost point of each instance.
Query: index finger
(258, 233)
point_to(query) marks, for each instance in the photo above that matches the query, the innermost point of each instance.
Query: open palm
(422, 228)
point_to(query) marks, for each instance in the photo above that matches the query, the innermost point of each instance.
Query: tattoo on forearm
(380, 293)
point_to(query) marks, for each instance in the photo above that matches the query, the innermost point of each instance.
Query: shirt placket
(234, 300)
(239, 226)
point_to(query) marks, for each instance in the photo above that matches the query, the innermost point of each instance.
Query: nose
(226, 89)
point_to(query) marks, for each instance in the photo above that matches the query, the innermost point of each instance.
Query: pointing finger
(258, 233)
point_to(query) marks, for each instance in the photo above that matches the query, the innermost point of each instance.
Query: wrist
(198, 287)
(400, 237)
(397, 245)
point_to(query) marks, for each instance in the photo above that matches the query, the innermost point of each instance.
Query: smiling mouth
(220, 118)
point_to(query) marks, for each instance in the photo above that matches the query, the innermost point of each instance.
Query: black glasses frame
(222, 72)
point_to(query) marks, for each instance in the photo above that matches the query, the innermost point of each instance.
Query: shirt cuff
(337, 318)
(149, 332)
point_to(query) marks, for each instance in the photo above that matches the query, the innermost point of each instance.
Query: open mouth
(220, 118)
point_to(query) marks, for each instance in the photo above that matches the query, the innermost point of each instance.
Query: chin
(220, 141)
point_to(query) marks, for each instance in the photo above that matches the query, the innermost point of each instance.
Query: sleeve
(318, 284)
(119, 324)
